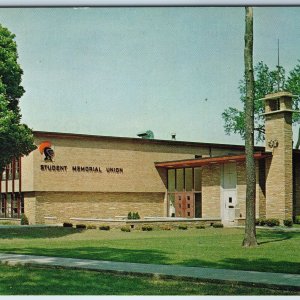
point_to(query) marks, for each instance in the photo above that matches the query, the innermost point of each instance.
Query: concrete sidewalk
(250, 277)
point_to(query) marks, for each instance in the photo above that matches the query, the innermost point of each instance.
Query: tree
(250, 234)
(16, 139)
(266, 82)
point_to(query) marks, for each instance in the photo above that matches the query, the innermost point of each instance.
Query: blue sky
(119, 71)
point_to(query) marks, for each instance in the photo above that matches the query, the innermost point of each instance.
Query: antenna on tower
(278, 67)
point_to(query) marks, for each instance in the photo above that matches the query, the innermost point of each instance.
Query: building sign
(81, 169)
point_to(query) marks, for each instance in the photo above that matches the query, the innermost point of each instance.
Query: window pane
(198, 179)
(171, 180)
(189, 179)
(179, 180)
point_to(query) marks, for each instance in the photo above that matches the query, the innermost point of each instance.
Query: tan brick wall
(141, 187)
(211, 192)
(279, 178)
(30, 208)
(241, 189)
(136, 160)
(27, 173)
(64, 206)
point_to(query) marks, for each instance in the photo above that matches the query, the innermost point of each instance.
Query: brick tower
(279, 168)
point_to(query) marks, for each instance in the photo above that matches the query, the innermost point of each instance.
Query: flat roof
(140, 140)
(199, 162)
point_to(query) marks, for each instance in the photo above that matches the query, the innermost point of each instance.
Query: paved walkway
(250, 277)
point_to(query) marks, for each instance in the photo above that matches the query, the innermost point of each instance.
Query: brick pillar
(211, 177)
(278, 138)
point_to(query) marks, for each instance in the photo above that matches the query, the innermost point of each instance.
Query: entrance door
(185, 205)
(229, 193)
(229, 206)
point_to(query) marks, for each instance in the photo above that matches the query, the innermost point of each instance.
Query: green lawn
(20, 280)
(278, 251)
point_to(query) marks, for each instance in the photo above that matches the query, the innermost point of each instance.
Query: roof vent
(173, 135)
(148, 134)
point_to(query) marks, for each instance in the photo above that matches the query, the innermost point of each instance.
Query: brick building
(96, 177)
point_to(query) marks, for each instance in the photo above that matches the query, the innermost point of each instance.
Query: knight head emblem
(46, 149)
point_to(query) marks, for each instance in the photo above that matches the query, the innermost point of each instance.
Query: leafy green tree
(16, 139)
(266, 81)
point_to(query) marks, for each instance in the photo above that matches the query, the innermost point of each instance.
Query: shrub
(297, 220)
(165, 227)
(182, 227)
(200, 226)
(260, 222)
(147, 228)
(24, 220)
(80, 226)
(217, 225)
(125, 228)
(66, 224)
(104, 227)
(288, 222)
(91, 227)
(133, 216)
(272, 222)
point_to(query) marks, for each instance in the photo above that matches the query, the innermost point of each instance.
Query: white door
(229, 193)
(229, 206)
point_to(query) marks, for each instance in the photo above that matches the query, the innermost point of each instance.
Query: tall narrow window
(22, 204)
(198, 179)
(171, 181)
(179, 180)
(189, 179)
(10, 171)
(17, 169)
(3, 204)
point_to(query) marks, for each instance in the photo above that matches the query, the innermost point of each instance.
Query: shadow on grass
(41, 281)
(98, 253)
(36, 233)
(272, 236)
(259, 264)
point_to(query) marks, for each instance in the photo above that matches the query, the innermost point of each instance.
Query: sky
(118, 71)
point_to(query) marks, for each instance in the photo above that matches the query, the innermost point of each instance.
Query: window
(15, 207)
(171, 181)
(188, 179)
(22, 206)
(10, 171)
(17, 169)
(3, 204)
(4, 175)
(179, 180)
(197, 179)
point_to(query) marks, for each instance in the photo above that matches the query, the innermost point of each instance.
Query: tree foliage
(266, 81)
(16, 139)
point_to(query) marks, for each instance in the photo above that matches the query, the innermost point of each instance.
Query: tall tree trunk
(250, 234)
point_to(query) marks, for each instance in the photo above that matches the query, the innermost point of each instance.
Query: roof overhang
(200, 162)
